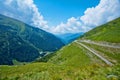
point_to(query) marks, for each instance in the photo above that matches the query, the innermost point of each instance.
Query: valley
(96, 59)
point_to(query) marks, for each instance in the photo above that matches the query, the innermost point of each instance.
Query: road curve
(102, 58)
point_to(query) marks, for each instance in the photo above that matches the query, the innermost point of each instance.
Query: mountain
(21, 42)
(109, 32)
(69, 37)
(77, 60)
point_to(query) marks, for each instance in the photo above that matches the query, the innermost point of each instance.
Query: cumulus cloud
(71, 26)
(24, 10)
(105, 11)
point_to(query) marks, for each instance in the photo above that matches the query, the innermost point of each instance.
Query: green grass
(109, 32)
(71, 55)
(45, 71)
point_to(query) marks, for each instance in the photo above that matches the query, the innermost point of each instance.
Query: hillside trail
(95, 53)
(104, 44)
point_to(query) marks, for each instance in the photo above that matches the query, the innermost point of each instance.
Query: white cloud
(24, 10)
(105, 11)
(73, 25)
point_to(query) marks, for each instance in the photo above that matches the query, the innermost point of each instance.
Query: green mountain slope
(72, 62)
(22, 42)
(47, 71)
(109, 32)
(73, 55)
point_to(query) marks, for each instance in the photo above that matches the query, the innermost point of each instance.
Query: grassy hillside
(109, 32)
(21, 42)
(73, 55)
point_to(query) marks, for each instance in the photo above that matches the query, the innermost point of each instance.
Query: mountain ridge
(20, 38)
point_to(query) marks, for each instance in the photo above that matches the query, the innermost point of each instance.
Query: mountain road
(95, 53)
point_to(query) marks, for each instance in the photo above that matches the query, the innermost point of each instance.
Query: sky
(62, 16)
(56, 11)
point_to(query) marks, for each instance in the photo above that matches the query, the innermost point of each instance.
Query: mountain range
(24, 43)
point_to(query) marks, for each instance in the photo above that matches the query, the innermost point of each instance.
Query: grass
(47, 71)
(71, 55)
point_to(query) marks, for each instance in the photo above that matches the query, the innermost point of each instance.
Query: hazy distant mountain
(21, 42)
(69, 37)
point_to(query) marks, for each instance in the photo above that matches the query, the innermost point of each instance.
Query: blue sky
(62, 16)
(56, 11)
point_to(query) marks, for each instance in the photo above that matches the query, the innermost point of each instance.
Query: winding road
(95, 53)
(101, 44)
